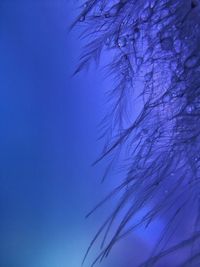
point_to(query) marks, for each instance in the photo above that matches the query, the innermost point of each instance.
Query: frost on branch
(153, 47)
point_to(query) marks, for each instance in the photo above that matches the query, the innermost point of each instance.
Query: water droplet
(152, 4)
(191, 61)
(85, 5)
(167, 44)
(121, 42)
(148, 76)
(159, 26)
(111, 41)
(172, 9)
(107, 15)
(189, 109)
(165, 13)
(174, 94)
(146, 14)
(107, 41)
(136, 30)
(82, 18)
(197, 103)
(131, 38)
(194, 3)
(136, 33)
(173, 65)
(139, 60)
(113, 11)
(166, 98)
(156, 17)
(128, 78)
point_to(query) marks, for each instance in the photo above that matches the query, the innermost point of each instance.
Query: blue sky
(48, 141)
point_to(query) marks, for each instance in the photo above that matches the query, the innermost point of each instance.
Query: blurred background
(48, 140)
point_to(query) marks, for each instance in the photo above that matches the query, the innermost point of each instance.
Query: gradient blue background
(48, 141)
